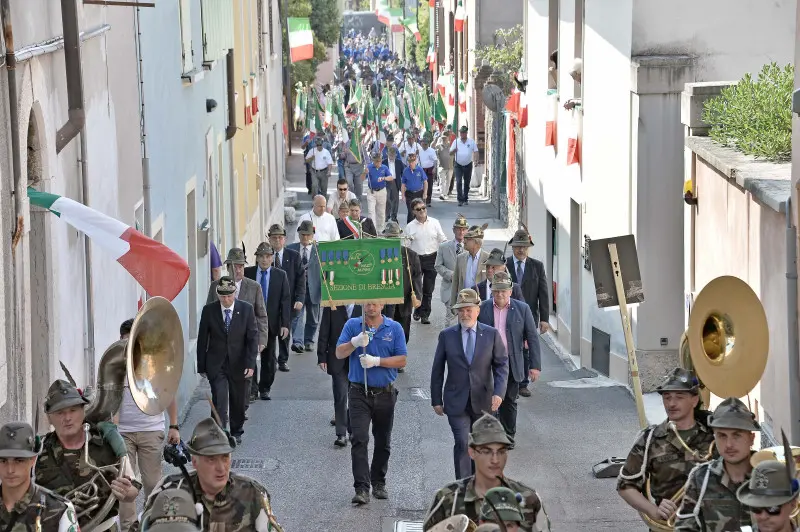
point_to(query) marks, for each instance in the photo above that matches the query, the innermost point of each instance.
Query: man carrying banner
(412, 283)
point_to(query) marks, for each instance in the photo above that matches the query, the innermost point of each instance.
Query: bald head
(319, 204)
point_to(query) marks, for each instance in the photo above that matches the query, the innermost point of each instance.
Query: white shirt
(228, 308)
(426, 236)
(405, 148)
(307, 252)
(428, 157)
(325, 228)
(334, 201)
(131, 419)
(322, 159)
(464, 150)
(392, 167)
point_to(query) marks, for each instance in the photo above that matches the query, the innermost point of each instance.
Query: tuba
(455, 523)
(152, 361)
(726, 345)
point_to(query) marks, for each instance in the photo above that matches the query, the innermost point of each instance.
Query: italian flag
(301, 39)
(462, 97)
(431, 58)
(158, 269)
(396, 20)
(382, 10)
(461, 16)
(411, 25)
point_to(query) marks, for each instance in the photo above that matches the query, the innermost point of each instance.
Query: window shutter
(217, 18)
(186, 35)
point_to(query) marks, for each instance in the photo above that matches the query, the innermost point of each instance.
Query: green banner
(361, 270)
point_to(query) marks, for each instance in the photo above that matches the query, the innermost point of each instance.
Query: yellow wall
(245, 143)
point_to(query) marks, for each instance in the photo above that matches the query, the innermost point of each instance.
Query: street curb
(550, 339)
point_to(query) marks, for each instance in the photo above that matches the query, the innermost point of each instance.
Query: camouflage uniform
(658, 455)
(710, 503)
(53, 513)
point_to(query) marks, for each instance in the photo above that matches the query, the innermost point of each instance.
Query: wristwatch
(176, 427)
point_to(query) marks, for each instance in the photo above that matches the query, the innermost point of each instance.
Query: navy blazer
(295, 274)
(484, 294)
(534, 286)
(519, 328)
(236, 348)
(476, 382)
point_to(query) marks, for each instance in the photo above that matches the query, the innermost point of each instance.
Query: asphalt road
(565, 427)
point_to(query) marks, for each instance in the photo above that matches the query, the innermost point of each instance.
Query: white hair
(577, 66)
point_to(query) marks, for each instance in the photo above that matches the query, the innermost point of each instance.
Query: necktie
(519, 271)
(278, 260)
(305, 257)
(227, 319)
(459, 249)
(470, 351)
(264, 283)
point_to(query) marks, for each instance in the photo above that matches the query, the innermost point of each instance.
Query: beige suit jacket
(461, 270)
(249, 291)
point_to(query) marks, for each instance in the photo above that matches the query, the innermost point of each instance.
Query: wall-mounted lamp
(211, 104)
(688, 193)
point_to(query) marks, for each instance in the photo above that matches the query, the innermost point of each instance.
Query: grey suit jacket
(461, 270)
(313, 278)
(445, 264)
(249, 291)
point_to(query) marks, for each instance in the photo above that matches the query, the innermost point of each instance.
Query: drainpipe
(72, 66)
(230, 131)
(143, 129)
(792, 319)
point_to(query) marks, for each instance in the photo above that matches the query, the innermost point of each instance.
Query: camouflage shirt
(718, 510)
(244, 504)
(668, 462)
(55, 513)
(60, 470)
(459, 497)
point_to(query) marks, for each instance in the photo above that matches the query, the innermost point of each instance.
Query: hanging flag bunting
(551, 130)
(301, 39)
(431, 3)
(461, 16)
(574, 143)
(158, 269)
(410, 24)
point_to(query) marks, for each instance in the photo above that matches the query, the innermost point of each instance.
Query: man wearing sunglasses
(771, 495)
(426, 235)
(710, 502)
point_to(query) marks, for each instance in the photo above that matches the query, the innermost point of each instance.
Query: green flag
(355, 142)
(361, 270)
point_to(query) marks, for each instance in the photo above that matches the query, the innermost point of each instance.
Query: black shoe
(309, 347)
(524, 391)
(379, 491)
(425, 321)
(265, 396)
(333, 422)
(401, 370)
(283, 367)
(466, 202)
(239, 441)
(416, 317)
(513, 444)
(361, 497)
(246, 417)
(297, 348)
(442, 197)
(254, 398)
(460, 203)
(341, 441)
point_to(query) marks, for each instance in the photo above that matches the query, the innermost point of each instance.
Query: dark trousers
(411, 196)
(377, 409)
(308, 178)
(229, 394)
(269, 364)
(392, 200)
(402, 315)
(431, 173)
(283, 346)
(463, 178)
(507, 414)
(461, 425)
(428, 283)
(526, 355)
(340, 390)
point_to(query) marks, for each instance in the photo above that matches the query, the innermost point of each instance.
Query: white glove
(369, 361)
(362, 340)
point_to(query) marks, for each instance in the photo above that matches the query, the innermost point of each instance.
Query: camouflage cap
(505, 502)
(732, 413)
(172, 510)
(305, 228)
(455, 523)
(770, 485)
(264, 249)
(17, 440)
(496, 258)
(521, 238)
(236, 256)
(460, 222)
(467, 298)
(276, 230)
(61, 395)
(486, 430)
(208, 439)
(476, 231)
(680, 380)
(502, 281)
(392, 229)
(226, 286)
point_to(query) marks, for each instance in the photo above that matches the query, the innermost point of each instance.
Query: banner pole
(364, 349)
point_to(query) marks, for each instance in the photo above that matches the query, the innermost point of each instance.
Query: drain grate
(421, 393)
(407, 526)
(253, 463)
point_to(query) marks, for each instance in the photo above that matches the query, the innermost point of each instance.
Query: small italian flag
(462, 97)
(301, 39)
(382, 10)
(431, 58)
(411, 25)
(158, 269)
(396, 20)
(461, 16)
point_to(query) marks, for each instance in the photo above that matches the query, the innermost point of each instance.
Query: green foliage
(755, 115)
(363, 5)
(417, 52)
(326, 21)
(504, 55)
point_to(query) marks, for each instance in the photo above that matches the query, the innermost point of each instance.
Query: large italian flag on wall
(301, 39)
(158, 269)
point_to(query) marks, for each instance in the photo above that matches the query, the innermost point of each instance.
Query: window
(186, 35)
(217, 18)
(270, 30)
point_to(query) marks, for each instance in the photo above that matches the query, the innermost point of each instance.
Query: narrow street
(563, 431)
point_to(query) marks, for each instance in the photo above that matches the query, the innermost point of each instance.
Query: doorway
(575, 277)
(552, 259)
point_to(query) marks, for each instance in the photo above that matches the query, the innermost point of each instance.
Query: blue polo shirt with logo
(388, 340)
(414, 179)
(377, 176)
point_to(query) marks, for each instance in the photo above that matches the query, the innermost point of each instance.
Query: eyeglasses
(343, 189)
(420, 209)
(500, 453)
(772, 510)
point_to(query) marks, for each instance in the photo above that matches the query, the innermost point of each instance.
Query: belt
(377, 189)
(464, 165)
(320, 169)
(373, 390)
(413, 191)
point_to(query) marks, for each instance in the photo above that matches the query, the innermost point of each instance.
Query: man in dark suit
(495, 263)
(277, 295)
(396, 167)
(354, 212)
(330, 328)
(477, 372)
(304, 332)
(529, 274)
(412, 286)
(287, 260)
(227, 344)
(514, 321)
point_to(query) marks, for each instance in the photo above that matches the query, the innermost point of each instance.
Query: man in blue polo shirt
(377, 176)
(383, 353)
(415, 184)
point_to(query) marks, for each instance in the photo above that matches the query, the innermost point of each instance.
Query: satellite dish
(493, 97)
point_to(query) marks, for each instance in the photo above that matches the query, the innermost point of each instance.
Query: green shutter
(217, 28)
